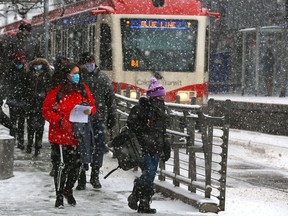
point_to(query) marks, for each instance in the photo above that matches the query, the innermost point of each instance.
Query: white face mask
(90, 67)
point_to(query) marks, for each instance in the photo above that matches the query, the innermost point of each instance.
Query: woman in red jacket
(56, 110)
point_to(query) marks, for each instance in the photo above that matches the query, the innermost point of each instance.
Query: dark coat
(149, 122)
(4, 119)
(103, 92)
(15, 86)
(37, 85)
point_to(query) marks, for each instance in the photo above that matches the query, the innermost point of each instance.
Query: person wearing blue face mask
(58, 104)
(15, 85)
(39, 79)
(103, 92)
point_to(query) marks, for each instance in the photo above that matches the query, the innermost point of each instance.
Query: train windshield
(159, 44)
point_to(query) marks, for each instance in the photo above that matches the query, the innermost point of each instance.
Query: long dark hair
(66, 85)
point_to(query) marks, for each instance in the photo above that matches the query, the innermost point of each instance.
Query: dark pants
(71, 160)
(35, 127)
(17, 116)
(149, 169)
(99, 133)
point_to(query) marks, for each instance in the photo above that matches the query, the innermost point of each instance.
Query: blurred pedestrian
(268, 62)
(38, 74)
(4, 119)
(103, 92)
(15, 84)
(57, 64)
(24, 41)
(149, 121)
(57, 107)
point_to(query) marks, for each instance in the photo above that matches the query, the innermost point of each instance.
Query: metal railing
(198, 162)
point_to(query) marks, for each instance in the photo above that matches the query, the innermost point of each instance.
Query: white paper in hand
(77, 114)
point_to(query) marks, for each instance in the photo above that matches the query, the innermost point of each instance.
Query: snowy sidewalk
(31, 191)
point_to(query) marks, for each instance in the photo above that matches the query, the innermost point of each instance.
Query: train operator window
(158, 44)
(105, 48)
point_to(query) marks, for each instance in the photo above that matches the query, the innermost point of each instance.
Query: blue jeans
(99, 135)
(149, 169)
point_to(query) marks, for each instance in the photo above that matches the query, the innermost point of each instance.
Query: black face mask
(158, 103)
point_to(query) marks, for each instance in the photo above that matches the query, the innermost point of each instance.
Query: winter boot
(146, 196)
(59, 201)
(29, 149)
(52, 172)
(144, 207)
(81, 180)
(133, 199)
(94, 179)
(68, 194)
(37, 150)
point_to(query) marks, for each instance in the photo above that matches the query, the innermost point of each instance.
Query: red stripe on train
(201, 89)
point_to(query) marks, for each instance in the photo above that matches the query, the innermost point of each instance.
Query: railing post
(127, 94)
(118, 88)
(223, 171)
(138, 93)
(176, 168)
(193, 101)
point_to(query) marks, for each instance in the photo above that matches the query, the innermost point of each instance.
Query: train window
(92, 39)
(158, 44)
(207, 44)
(105, 47)
(58, 47)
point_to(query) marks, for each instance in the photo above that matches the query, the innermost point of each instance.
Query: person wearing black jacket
(149, 121)
(103, 92)
(38, 75)
(15, 85)
(4, 119)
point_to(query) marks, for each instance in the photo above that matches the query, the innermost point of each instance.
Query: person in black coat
(149, 121)
(4, 119)
(15, 85)
(103, 92)
(38, 75)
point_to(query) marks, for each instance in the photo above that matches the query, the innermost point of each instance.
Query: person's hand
(165, 156)
(87, 112)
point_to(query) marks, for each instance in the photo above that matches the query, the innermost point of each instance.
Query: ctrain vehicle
(134, 40)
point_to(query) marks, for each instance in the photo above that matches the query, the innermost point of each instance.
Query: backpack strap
(111, 172)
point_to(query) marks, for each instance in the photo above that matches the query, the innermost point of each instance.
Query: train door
(104, 45)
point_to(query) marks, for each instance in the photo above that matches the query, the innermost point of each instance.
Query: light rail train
(134, 40)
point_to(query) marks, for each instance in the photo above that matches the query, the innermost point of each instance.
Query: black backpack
(127, 150)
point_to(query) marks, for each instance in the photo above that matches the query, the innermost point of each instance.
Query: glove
(111, 121)
(165, 157)
(166, 154)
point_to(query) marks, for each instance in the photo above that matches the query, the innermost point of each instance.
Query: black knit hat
(25, 26)
(86, 57)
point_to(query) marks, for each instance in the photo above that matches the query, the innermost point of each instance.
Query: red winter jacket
(53, 112)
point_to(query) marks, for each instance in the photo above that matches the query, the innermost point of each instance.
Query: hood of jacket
(38, 61)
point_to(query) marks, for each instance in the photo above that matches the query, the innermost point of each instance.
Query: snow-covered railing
(198, 163)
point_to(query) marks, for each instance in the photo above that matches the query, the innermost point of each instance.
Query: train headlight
(133, 94)
(186, 96)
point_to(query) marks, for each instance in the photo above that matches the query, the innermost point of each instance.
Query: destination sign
(158, 24)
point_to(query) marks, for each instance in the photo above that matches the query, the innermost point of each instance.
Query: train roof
(179, 7)
(170, 7)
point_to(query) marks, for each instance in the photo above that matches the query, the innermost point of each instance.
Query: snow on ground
(250, 98)
(31, 191)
